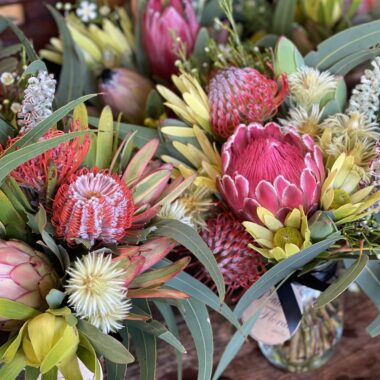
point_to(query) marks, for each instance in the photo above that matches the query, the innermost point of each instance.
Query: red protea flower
(242, 96)
(93, 205)
(228, 240)
(62, 160)
(263, 166)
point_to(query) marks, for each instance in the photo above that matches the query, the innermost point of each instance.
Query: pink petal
(249, 208)
(230, 193)
(280, 184)
(292, 197)
(266, 196)
(309, 186)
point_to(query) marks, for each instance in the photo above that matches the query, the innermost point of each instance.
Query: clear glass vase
(313, 343)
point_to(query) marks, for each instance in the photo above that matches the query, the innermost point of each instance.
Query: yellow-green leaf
(104, 147)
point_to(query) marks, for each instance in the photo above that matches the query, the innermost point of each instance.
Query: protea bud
(165, 28)
(43, 334)
(321, 226)
(125, 91)
(93, 205)
(242, 96)
(241, 266)
(25, 277)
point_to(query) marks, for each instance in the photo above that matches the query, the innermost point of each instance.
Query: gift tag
(271, 326)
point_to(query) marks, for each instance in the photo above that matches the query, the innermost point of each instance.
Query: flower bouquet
(287, 154)
(83, 247)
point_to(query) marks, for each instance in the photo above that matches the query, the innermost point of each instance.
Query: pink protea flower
(242, 96)
(162, 25)
(239, 264)
(65, 159)
(93, 205)
(263, 166)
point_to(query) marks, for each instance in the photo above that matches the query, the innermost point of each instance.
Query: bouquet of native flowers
(83, 245)
(286, 190)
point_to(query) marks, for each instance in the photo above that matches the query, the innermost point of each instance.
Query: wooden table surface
(356, 358)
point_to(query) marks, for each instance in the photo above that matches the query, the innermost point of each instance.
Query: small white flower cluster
(365, 98)
(87, 11)
(38, 101)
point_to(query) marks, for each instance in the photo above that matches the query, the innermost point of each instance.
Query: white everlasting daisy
(7, 78)
(97, 293)
(86, 11)
(309, 86)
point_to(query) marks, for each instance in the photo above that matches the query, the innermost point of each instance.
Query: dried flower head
(306, 122)
(309, 86)
(93, 205)
(353, 135)
(38, 101)
(96, 291)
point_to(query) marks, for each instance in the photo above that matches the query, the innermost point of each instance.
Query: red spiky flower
(228, 240)
(93, 205)
(62, 160)
(242, 96)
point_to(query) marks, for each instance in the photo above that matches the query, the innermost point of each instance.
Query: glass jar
(313, 343)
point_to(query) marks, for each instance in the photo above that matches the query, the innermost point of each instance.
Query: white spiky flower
(365, 98)
(97, 293)
(306, 122)
(38, 101)
(309, 86)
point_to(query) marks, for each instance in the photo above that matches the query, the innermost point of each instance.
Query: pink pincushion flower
(93, 205)
(242, 96)
(263, 166)
(161, 26)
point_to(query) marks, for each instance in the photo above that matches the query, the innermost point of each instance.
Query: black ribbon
(317, 280)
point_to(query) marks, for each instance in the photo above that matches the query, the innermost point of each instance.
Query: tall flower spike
(242, 96)
(365, 98)
(96, 291)
(93, 205)
(38, 101)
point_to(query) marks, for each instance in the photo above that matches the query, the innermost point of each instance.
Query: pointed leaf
(16, 310)
(104, 147)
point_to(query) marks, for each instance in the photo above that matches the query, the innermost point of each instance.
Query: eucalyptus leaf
(71, 83)
(146, 351)
(190, 239)
(344, 44)
(343, 282)
(35, 67)
(6, 131)
(198, 322)
(158, 330)
(369, 280)
(283, 17)
(105, 345)
(374, 328)
(9, 50)
(281, 270)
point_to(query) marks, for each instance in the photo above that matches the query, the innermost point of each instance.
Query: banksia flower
(262, 166)
(242, 96)
(93, 205)
(228, 240)
(64, 159)
(38, 101)
(26, 277)
(96, 291)
(125, 91)
(167, 25)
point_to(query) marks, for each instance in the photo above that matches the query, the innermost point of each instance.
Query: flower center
(341, 198)
(266, 158)
(287, 235)
(95, 284)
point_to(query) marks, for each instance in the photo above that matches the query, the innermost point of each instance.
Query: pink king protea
(263, 166)
(93, 205)
(163, 26)
(242, 96)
